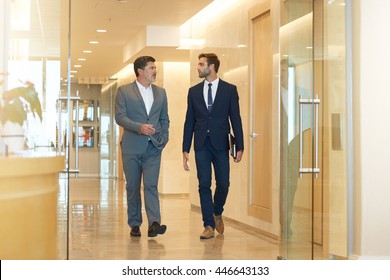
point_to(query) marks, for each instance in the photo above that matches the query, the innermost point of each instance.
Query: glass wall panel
(109, 133)
(30, 84)
(313, 171)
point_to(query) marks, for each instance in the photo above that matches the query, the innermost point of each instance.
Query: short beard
(205, 73)
(151, 80)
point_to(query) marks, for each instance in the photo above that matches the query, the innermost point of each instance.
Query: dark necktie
(209, 98)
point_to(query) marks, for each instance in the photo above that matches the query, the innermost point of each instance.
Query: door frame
(263, 207)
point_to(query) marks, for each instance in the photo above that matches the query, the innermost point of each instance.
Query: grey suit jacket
(130, 113)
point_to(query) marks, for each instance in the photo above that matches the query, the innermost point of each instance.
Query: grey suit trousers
(144, 166)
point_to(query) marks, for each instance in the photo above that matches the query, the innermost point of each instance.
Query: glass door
(312, 106)
(299, 127)
(63, 135)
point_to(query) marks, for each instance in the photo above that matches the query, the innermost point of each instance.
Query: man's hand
(147, 129)
(239, 156)
(186, 159)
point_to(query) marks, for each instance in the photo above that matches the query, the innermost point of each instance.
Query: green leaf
(14, 106)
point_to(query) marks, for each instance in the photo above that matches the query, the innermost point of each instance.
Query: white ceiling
(122, 20)
(50, 25)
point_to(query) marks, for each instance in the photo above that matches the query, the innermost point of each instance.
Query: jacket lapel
(155, 98)
(218, 94)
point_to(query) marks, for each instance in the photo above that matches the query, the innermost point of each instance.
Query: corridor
(99, 230)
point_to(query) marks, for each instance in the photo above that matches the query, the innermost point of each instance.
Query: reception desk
(28, 205)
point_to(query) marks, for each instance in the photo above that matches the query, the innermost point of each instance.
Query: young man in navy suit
(212, 108)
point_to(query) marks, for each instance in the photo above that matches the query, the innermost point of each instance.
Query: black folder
(232, 146)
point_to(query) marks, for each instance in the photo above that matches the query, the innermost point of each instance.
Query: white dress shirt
(213, 89)
(147, 96)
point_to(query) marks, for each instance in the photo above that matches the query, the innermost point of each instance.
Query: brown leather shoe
(219, 226)
(207, 233)
(155, 229)
(135, 231)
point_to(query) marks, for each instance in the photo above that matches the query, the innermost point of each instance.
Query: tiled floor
(99, 231)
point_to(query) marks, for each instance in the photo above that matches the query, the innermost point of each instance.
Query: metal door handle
(77, 134)
(316, 170)
(254, 135)
(60, 136)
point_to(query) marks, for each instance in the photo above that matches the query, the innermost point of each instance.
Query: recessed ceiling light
(87, 51)
(101, 30)
(94, 42)
(73, 71)
(77, 66)
(82, 59)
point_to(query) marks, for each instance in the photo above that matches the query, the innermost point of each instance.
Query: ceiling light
(82, 59)
(77, 66)
(87, 51)
(101, 30)
(94, 42)
(122, 1)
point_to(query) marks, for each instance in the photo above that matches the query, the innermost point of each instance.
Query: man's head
(145, 69)
(208, 64)
(284, 65)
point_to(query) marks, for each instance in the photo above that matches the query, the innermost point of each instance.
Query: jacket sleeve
(189, 124)
(235, 120)
(164, 121)
(121, 117)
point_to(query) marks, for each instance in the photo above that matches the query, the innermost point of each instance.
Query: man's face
(149, 73)
(203, 68)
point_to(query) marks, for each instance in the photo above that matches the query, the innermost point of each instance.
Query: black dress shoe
(155, 229)
(135, 231)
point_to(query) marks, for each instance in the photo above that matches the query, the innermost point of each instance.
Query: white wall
(176, 81)
(371, 101)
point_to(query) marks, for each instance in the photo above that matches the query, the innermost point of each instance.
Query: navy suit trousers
(219, 159)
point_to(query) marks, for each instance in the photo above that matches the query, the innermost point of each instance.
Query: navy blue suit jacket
(200, 123)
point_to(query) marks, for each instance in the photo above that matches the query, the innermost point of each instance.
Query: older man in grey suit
(142, 110)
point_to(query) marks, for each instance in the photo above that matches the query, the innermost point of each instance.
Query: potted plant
(15, 104)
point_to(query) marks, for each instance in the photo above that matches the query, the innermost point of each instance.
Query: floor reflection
(98, 229)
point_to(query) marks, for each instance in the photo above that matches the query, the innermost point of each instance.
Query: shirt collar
(141, 86)
(214, 83)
